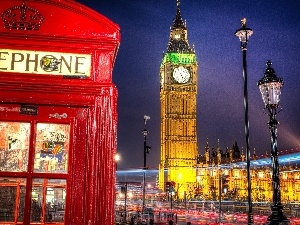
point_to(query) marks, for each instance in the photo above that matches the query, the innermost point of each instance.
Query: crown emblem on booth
(22, 18)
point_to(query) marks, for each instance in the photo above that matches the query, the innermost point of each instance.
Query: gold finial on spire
(243, 22)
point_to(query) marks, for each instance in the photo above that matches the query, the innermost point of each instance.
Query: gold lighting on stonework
(178, 94)
(234, 166)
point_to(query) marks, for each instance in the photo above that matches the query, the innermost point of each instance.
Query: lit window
(261, 174)
(177, 36)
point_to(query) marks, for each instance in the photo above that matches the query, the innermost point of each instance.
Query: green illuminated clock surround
(179, 58)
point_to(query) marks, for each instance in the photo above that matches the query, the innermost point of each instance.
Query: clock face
(181, 75)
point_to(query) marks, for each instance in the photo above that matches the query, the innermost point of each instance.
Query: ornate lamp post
(243, 34)
(270, 88)
(146, 150)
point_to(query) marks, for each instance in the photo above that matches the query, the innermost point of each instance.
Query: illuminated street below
(200, 213)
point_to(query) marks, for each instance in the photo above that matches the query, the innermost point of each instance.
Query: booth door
(41, 164)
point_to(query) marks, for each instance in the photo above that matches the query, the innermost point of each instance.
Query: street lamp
(243, 34)
(117, 159)
(146, 151)
(145, 133)
(270, 88)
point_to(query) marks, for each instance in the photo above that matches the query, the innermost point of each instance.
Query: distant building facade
(210, 171)
(215, 165)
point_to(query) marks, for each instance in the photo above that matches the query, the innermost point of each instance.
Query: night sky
(145, 28)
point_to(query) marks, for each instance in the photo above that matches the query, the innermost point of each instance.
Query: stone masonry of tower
(178, 91)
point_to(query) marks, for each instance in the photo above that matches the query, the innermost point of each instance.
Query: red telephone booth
(57, 113)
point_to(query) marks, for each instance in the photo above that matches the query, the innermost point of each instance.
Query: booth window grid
(34, 165)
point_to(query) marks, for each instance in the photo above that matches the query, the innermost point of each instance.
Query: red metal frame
(91, 103)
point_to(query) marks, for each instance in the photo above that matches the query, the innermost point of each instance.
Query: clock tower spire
(178, 91)
(178, 41)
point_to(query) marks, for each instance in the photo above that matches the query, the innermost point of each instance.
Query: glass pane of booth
(48, 200)
(14, 146)
(52, 148)
(12, 199)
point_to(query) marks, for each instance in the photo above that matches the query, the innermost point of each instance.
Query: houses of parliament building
(224, 172)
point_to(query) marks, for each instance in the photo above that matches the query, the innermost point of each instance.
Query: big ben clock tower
(178, 91)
